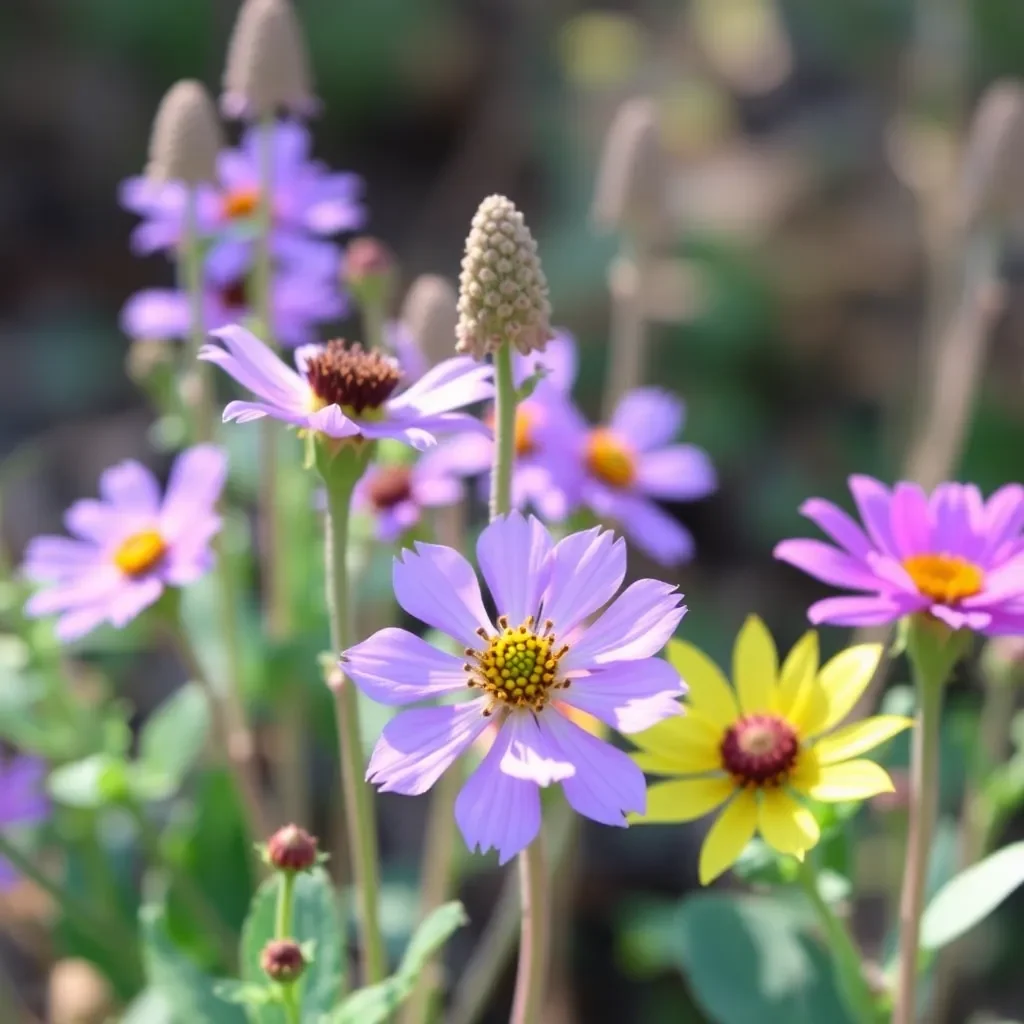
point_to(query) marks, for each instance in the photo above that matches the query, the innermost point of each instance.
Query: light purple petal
(957, 513)
(911, 522)
(1002, 584)
(466, 454)
(647, 418)
(330, 420)
(681, 472)
(74, 625)
(558, 360)
(958, 619)
(495, 810)
(54, 558)
(399, 340)
(873, 501)
(417, 746)
(132, 488)
(395, 667)
(828, 564)
(97, 583)
(255, 367)
(132, 599)
(194, 488)
(156, 314)
(587, 569)
(628, 695)
(513, 554)
(1003, 517)
(864, 611)
(472, 384)
(838, 525)
(191, 555)
(607, 784)
(22, 795)
(651, 529)
(96, 521)
(637, 624)
(529, 754)
(437, 585)
(248, 412)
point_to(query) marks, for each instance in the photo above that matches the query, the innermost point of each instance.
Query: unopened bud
(632, 178)
(282, 960)
(146, 358)
(503, 293)
(267, 67)
(994, 155)
(369, 272)
(292, 849)
(186, 136)
(430, 314)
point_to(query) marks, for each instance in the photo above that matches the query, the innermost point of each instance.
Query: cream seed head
(430, 314)
(186, 136)
(503, 293)
(267, 67)
(992, 185)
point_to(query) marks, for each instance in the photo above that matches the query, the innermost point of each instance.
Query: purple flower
(22, 801)
(396, 494)
(952, 555)
(345, 391)
(525, 674)
(129, 545)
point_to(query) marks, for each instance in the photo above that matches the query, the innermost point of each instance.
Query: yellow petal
(859, 737)
(710, 693)
(727, 837)
(755, 667)
(687, 743)
(851, 780)
(845, 678)
(798, 678)
(785, 823)
(685, 761)
(684, 799)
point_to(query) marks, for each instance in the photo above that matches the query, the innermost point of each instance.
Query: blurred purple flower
(525, 673)
(23, 801)
(129, 545)
(952, 555)
(346, 391)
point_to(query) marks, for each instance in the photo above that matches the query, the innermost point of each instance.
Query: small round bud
(186, 136)
(430, 314)
(292, 849)
(369, 272)
(994, 154)
(282, 960)
(267, 67)
(503, 293)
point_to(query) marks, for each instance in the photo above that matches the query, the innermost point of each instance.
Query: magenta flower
(953, 555)
(525, 671)
(396, 495)
(22, 802)
(345, 391)
(129, 545)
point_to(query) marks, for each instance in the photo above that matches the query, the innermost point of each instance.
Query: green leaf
(149, 1007)
(175, 734)
(90, 783)
(378, 1003)
(187, 990)
(315, 919)
(972, 895)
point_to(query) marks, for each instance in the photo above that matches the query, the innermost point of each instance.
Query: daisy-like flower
(344, 391)
(396, 494)
(523, 671)
(129, 545)
(953, 555)
(621, 470)
(762, 749)
(22, 802)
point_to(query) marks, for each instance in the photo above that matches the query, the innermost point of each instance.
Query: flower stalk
(504, 432)
(198, 376)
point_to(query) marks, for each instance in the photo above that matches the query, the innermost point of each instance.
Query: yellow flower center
(241, 203)
(759, 750)
(526, 420)
(609, 458)
(944, 578)
(140, 552)
(519, 667)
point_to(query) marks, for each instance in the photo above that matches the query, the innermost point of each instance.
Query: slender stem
(527, 1005)
(290, 1000)
(505, 432)
(359, 811)
(924, 790)
(191, 260)
(285, 903)
(627, 358)
(846, 957)
(262, 280)
(373, 325)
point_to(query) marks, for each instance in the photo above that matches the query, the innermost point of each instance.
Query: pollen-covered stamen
(351, 377)
(944, 578)
(389, 486)
(519, 667)
(140, 552)
(609, 458)
(760, 750)
(240, 203)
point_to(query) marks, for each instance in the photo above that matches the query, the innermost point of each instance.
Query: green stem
(846, 957)
(191, 260)
(373, 326)
(261, 274)
(527, 1006)
(290, 1001)
(285, 903)
(504, 432)
(359, 811)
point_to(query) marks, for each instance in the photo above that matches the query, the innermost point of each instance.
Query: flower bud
(292, 849)
(992, 184)
(430, 314)
(1002, 660)
(503, 293)
(282, 960)
(267, 67)
(369, 272)
(186, 136)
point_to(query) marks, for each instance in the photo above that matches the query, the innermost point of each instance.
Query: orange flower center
(140, 552)
(241, 203)
(526, 422)
(759, 750)
(609, 458)
(944, 578)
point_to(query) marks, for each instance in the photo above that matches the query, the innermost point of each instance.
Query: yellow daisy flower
(761, 747)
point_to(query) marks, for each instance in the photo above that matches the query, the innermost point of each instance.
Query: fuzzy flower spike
(128, 546)
(525, 672)
(953, 555)
(762, 749)
(344, 391)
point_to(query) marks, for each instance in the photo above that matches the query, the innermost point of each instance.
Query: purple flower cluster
(309, 205)
(22, 802)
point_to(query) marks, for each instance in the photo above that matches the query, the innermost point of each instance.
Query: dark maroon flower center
(760, 750)
(389, 486)
(351, 377)
(234, 294)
